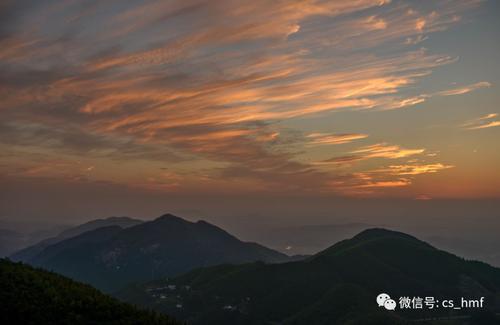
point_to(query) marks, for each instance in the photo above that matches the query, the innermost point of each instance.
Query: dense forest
(335, 286)
(35, 296)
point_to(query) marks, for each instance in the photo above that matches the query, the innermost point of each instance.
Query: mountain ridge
(165, 246)
(31, 251)
(337, 285)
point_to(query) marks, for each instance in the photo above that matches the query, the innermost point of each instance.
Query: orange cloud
(382, 150)
(379, 150)
(420, 24)
(485, 126)
(414, 169)
(374, 181)
(386, 184)
(465, 89)
(118, 82)
(322, 138)
(483, 122)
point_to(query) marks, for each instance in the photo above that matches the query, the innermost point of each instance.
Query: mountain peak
(170, 217)
(372, 236)
(381, 232)
(165, 246)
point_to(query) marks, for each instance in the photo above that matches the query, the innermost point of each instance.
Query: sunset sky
(362, 99)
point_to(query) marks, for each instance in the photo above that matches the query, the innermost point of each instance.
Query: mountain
(9, 240)
(30, 252)
(111, 257)
(34, 296)
(12, 241)
(123, 222)
(16, 236)
(336, 286)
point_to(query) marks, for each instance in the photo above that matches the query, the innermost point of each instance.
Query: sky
(242, 108)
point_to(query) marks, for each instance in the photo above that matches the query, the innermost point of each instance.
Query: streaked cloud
(372, 181)
(386, 184)
(483, 122)
(379, 150)
(464, 89)
(207, 86)
(414, 169)
(323, 138)
(488, 116)
(396, 103)
(485, 126)
(383, 150)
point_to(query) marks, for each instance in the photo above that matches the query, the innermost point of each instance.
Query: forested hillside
(34, 296)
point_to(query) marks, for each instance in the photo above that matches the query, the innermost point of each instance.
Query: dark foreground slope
(111, 257)
(337, 286)
(34, 296)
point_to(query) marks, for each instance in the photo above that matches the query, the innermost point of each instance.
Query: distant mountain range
(336, 286)
(30, 252)
(109, 256)
(12, 241)
(9, 241)
(34, 296)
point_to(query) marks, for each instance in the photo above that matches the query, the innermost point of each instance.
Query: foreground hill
(335, 286)
(111, 257)
(30, 252)
(34, 296)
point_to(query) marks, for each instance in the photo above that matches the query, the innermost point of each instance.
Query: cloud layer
(206, 88)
